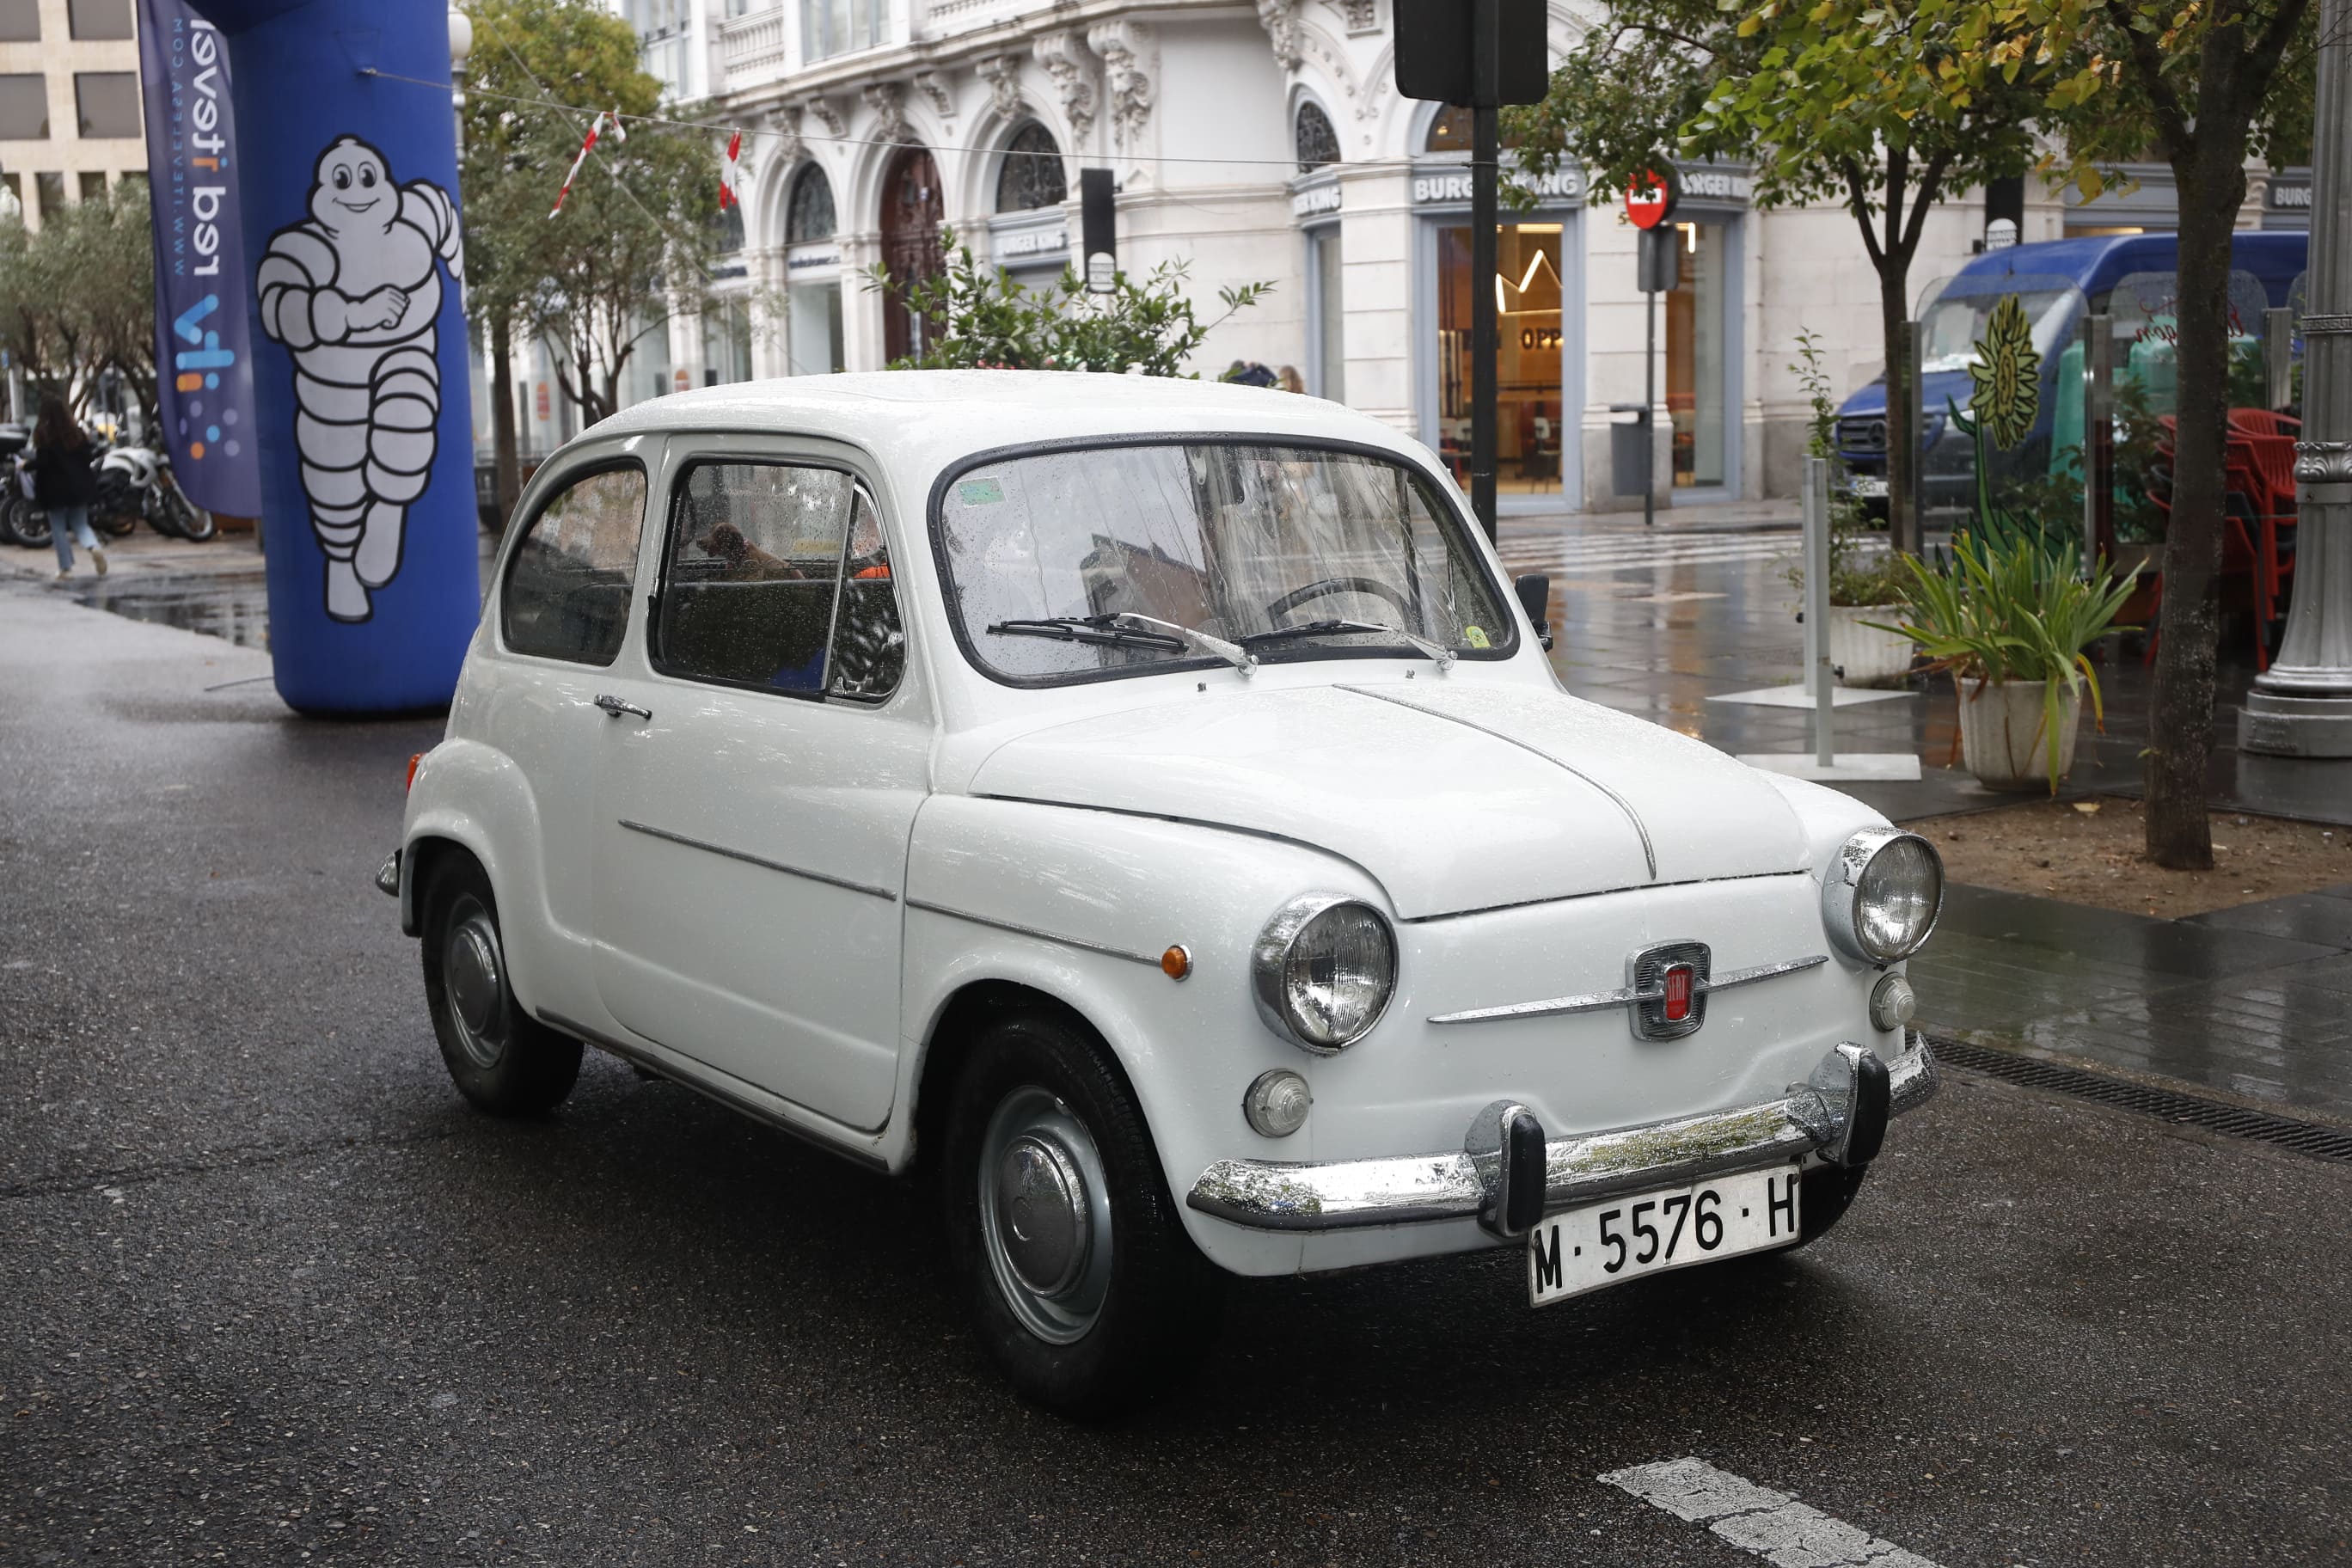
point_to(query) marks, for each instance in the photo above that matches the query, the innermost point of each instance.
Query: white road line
(1773, 1525)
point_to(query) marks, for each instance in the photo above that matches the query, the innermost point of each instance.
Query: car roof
(927, 419)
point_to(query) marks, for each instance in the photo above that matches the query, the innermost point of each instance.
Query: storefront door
(1531, 423)
(1701, 396)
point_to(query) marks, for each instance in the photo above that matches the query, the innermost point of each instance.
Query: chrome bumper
(1840, 1113)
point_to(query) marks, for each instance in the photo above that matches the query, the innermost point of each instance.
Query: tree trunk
(505, 461)
(1903, 528)
(2212, 182)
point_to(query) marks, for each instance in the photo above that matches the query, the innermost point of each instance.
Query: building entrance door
(1698, 385)
(1530, 416)
(911, 216)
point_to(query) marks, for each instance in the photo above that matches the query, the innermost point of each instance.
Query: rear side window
(567, 594)
(775, 577)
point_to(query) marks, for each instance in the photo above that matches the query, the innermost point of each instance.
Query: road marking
(1773, 1525)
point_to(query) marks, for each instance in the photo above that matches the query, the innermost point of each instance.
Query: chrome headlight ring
(1848, 894)
(1272, 974)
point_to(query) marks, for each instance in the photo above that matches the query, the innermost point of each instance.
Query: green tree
(979, 317)
(79, 298)
(633, 245)
(2207, 85)
(1844, 99)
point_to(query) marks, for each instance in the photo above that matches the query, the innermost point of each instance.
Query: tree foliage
(979, 317)
(633, 243)
(79, 298)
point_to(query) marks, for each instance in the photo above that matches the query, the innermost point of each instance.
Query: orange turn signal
(1176, 963)
(410, 782)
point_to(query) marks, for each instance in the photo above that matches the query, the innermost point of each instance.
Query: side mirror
(1535, 598)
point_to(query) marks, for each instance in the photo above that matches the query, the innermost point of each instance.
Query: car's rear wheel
(1086, 1292)
(500, 1058)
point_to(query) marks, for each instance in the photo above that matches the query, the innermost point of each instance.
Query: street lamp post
(2302, 707)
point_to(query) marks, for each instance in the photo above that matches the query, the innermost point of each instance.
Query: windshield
(1953, 326)
(1060, 565)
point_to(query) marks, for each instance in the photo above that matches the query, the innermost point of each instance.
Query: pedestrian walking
(64, 482)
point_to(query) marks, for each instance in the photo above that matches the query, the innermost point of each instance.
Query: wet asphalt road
(270, 1293)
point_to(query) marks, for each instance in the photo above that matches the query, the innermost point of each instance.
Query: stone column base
(2275, 726)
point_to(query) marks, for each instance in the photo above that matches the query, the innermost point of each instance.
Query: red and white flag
(730, 176)
(574, 172)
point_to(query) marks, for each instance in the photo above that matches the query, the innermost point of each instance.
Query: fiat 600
(1145, 806)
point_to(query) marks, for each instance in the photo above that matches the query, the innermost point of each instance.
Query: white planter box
(1864, 654)
(2001, 738)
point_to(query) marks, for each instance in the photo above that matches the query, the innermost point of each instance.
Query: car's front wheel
(500, 1058)
(1087, 1292)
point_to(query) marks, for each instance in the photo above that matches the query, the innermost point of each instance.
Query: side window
(567, 593)
(869, 646)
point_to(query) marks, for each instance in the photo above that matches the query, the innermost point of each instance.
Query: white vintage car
(1145, 804)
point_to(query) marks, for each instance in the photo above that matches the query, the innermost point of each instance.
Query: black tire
(1122, 1328)
(112, 524)
(500, 1058)
(1829, 1191)
(29, 524)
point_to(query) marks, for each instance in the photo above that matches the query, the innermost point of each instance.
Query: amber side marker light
(410, 782)
(1176, 963)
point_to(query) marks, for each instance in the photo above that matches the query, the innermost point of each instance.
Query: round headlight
(1883, 892)
(1323, 970)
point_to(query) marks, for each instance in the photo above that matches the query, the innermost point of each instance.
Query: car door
(752, 822)
(562, 614)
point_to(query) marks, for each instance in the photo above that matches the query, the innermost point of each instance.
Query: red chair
(2263, 422)
(2267, 465)
(2245, 498)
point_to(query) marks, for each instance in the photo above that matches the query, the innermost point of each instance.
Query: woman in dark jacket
(64, 482)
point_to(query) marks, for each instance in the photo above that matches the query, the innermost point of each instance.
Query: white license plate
(1869, 487)
(1608, 1244)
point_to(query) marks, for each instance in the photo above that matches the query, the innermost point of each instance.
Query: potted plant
(2011, 620)
(1863, 587)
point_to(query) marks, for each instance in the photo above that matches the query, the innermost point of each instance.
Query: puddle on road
(234, 607)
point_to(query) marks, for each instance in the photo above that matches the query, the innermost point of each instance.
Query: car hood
(1454, 795)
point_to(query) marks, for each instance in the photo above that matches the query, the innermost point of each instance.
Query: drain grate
(2237, 1122)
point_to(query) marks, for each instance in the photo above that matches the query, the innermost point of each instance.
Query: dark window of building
(1031, 175)
(20, 21)
(51, 188)
(1316, 141)
(730, 224)
(810, 213)
(107, 103)
(25, 107)
(93, 187)
(98, 19)
(1453, 132)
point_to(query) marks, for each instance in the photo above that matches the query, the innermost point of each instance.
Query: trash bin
(1629, 449)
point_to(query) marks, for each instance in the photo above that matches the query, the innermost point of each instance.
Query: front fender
(475, 797)
(1080, 905)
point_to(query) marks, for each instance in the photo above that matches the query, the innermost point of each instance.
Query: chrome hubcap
(475, 974)
(1044, 1216)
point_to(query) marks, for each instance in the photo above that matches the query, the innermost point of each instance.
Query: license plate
(1607, 1244)
(1869, 487)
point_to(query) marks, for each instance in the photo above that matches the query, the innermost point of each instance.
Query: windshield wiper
(1438, 651)
(1240, 658)
(1102, 630)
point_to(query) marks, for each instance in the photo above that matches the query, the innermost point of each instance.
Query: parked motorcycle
(136, 482)
(21, 523)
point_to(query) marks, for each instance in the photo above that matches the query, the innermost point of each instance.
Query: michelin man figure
(353, 292)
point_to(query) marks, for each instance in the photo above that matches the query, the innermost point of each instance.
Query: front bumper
(1499, 1178)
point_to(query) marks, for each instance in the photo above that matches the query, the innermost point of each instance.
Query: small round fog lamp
(1893, 1003)
(1276, 1103)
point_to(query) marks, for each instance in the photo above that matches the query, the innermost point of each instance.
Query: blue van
(2056, 282)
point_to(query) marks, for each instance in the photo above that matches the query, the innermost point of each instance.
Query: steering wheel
(1372, 586)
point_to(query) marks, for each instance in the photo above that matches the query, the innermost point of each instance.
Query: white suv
(1145, 803)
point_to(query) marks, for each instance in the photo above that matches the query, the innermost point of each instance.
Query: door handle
(613, 707)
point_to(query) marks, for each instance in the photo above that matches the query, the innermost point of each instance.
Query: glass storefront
(1529, 289)
(1327, 351)
(1699, 391)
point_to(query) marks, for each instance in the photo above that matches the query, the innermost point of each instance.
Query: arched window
(1031, 175)
(730, 224)
(1453, 131)
(1312, 136)
(810, 216)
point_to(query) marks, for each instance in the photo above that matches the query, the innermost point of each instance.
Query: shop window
(810, 214)
(1313, 139)
(1526, 284)
(98, 19)
(106, 103)
(25, 107)
(726, 341)
(815, 336)
(1031, 175)
(1330, 315)
(20, 21)
(1697, 363)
